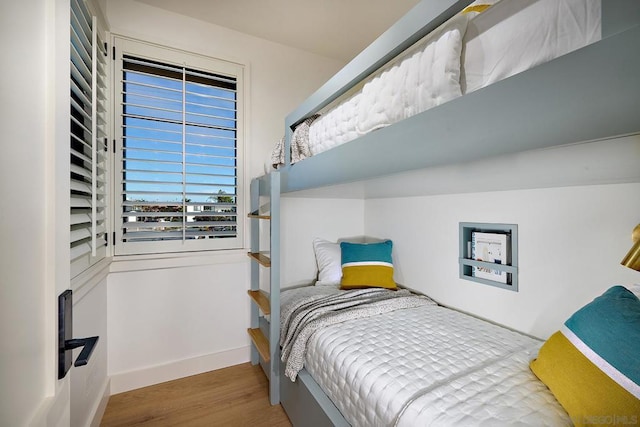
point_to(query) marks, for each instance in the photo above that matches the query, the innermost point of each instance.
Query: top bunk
(590, 93)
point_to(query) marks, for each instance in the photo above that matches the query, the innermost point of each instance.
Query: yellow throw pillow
(592, 365)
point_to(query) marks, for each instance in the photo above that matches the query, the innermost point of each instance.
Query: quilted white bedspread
(430, 366)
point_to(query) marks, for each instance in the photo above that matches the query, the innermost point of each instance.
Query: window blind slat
(80, 202)
(83, 70)
(175, 235)
(80, 171)
(83, 18)
(188, 123)
(129, 203)
(88, 161)
(79, 80)
(80, 156)
(80, 234)
(77, 107)
(80, 218)
(86, 130)
(79, 49)
(80, 187)
(176, 214)
(145, 64)
(77, 91)
(80, 250)
(170, 194)
(84, 249)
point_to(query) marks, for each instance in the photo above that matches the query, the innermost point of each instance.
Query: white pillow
(635, 288)
(515, 36)
(328, 257)
(422, 77)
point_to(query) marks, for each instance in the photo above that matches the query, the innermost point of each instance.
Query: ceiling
(337, 29)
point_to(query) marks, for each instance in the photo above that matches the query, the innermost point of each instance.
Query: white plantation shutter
(88, 138)
(179, 158)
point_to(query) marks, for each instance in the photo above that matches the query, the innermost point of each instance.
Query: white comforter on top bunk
(428, 365)
(467, 53)
(424, 76)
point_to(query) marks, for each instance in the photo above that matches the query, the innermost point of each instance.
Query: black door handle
(88, 345)
(65, 333)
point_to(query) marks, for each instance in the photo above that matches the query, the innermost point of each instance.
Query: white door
(35, 228)
(30, 393)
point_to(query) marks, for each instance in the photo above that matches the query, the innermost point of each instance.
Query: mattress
(469, 52)
(429, 366)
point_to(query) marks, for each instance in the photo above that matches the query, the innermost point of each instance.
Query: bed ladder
(265, 306)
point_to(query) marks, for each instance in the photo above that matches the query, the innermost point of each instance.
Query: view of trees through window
(179, 153)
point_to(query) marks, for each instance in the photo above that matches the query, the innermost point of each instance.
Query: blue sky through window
(154, 159)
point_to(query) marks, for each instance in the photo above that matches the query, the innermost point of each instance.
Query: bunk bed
(588, 94)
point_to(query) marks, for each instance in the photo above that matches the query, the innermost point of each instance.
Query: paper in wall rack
(489, 254)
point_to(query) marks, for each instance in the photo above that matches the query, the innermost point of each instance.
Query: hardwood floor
(234, 396)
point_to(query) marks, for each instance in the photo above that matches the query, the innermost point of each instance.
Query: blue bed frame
(589, 94)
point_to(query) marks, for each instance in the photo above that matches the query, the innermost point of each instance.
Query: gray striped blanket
(299, 320)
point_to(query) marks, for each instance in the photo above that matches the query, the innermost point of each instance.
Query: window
(88, 140)
(179, 151)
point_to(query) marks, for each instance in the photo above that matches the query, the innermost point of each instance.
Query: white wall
(164, 322)
(304, 219)
(571, 241)
(167, 323)
(24, 377)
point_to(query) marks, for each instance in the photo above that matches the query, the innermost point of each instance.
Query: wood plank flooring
(234, 396)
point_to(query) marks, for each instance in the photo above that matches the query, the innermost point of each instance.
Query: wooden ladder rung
(261, 212)
(261, 343)
(261, 298)
(259, 216)
(261, 257)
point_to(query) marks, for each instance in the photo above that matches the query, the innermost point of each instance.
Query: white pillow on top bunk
(426, 75)
(406, 85)
(517, 35)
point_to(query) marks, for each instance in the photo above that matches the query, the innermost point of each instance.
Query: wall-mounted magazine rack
(497, 243)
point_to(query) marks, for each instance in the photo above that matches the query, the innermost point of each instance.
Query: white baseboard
(102, 404)
(54, 411)
(132, 380)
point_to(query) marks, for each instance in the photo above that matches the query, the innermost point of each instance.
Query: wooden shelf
(259, 216)
(261, 212)
(261, 343)
(262, 299)
(261, 257)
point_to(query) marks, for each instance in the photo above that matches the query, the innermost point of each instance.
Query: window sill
(127, 263)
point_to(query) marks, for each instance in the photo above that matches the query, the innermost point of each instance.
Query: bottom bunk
(306, 404)
(409, 361)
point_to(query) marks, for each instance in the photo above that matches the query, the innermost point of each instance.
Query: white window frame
(127, 46)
